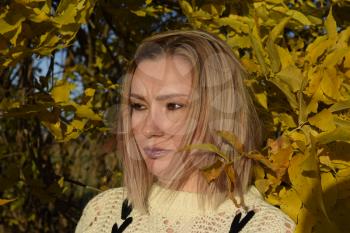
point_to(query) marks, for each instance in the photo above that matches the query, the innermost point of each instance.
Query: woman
(180, 89)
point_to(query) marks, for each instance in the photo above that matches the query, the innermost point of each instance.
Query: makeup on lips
(154, 152)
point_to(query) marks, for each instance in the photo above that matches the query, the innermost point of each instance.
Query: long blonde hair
(219, 102)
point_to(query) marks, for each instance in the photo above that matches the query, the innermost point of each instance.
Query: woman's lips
(155, 153)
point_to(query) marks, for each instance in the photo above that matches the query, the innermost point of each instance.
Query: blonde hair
(219, 102)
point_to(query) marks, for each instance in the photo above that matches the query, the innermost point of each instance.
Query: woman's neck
(189, 186)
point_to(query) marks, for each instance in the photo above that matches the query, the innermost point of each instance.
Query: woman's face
(159, 100)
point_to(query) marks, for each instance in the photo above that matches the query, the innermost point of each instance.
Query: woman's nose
(151, 124)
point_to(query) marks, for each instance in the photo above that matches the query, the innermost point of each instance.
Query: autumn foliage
(54, 127)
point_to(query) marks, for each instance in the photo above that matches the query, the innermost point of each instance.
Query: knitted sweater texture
(104, 213)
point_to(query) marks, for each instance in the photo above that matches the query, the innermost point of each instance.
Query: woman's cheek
(136, 120)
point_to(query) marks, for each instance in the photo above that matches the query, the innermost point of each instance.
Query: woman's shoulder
(103, 204)
(267, 218)
(263, 217)
(109, 195)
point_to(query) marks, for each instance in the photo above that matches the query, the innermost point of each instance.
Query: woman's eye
(174, 106)
(136, 106)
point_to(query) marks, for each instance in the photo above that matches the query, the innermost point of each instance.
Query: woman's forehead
(172, 71)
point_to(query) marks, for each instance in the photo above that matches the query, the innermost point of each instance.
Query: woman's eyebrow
(160, 97)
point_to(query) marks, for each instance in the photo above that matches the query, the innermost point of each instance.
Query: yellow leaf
(258, 48)
(230, 173)
(287, 120)
(317, 48)
(250, 65)
(341, 105)
(85, 111)
(213, 171)
(323, 120)
(306, 221)
(61, 182)
(300, 17)
(39, 15)
(262, 99)
(335, 57)
(313, 105)
(292, 76)
(259, 172)
(305, 178)
(232, 139)
(294, 135)
(331, 26)
(237, 23)
(10, 22)
(239, 41)
(186, 7)
(285, 57)
(329, 182)
(5, 201)
(255, 155)
(325, 161)
(278, 29)
(280, 160)
(55, 129)
(347, 61)
(74, 129)
(66, 13)
(273, 199)
(339, 134)
(89, 92)
(60, 92)
(262, 185)
(273, 55)
(291, 204)
(286, 91)
(206, 147)
(140, 13)
(343, 182)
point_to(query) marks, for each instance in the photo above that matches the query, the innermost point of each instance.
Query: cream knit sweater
(180, 215)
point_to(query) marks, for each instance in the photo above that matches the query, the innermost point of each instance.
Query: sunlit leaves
(36, 28)
(304, 88)
(64, 131)
(61, 91)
